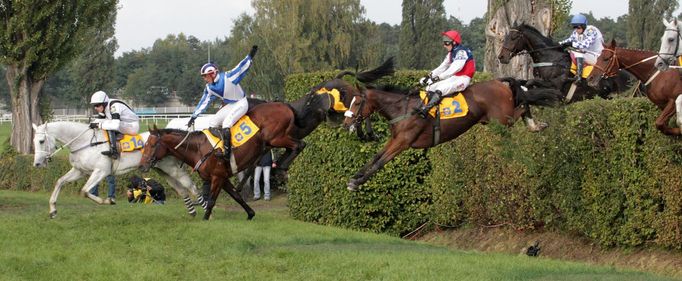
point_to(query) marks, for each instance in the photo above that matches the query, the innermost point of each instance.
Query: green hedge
(601, 170)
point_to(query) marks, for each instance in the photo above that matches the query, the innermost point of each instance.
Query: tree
(473, 36)
(420, 38)
(37, 38)
(544, 15)
(644, 22)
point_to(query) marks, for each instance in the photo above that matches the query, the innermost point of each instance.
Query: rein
(614, 66)
(676, 51)
(49, 157)
(531, 51)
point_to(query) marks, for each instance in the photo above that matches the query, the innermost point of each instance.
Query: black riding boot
(434, 99)
(227, 143)
(579, 68)
(113, 147)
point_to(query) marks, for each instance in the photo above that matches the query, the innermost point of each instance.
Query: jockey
(452, 75)
(115, 117)
(225, 86)
(587, 39)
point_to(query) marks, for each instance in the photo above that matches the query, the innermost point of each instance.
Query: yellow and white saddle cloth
(587, 69)
(128, 143)
(242, 131)
(450, 107)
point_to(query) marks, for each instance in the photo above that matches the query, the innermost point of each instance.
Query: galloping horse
(671, 47)
(487, 101)
(85, 158)
(663, 88)
(552, 64)
(275, 122)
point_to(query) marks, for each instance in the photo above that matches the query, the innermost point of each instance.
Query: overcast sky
(141, 22)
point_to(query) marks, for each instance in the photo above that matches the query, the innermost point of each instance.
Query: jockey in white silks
(115, 117)
(588, 41)
(453, 75)
(224, 86)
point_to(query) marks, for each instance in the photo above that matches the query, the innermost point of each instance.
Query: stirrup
(113, 154)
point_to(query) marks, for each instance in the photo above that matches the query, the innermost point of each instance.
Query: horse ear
(155, 128)
(613, 44)
(35, 128)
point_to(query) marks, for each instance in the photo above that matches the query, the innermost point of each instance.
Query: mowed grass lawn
(160, 242)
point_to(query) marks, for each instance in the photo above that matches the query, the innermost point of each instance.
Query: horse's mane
(403, 90)
(533, 31)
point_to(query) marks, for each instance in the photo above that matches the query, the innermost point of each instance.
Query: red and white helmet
(454, 35)
(209, 68)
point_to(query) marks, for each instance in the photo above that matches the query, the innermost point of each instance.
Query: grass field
(152, 242)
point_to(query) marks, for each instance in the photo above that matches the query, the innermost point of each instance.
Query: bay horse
(671, 47)
(552, 65)
(501, 100)
(662, 88)
(85, 157)
(275, 121)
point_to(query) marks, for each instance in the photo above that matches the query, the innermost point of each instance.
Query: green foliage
(420, 39)
(644, 22)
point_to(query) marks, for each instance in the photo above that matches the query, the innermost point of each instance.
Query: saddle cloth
(128, 143)
(450, 107)
(241, 132)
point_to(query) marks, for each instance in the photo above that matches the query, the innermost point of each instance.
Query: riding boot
(227, 143)
(113, 147)
(434, 99)
(579, 69)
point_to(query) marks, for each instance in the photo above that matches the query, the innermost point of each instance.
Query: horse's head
(514, 42)
(358, 110)
(154, 150)
(670, 44)
(44, 145)
(607, 65)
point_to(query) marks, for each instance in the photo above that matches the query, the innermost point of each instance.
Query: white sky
(141, 22)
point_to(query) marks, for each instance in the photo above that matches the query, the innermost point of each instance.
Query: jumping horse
(670, 44)
(662, 88)
(275, 122)
(85, 157)
(500, 100)
(552, 65)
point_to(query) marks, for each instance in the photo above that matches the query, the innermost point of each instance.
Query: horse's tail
(534, 96)
(385, 69)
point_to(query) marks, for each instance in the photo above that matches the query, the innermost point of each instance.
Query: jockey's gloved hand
(253, 51)
(191, 121)
(94, 125)
(425, 81)
(435, 79)
(566, 45)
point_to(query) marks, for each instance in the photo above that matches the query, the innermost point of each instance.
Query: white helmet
(99, 97)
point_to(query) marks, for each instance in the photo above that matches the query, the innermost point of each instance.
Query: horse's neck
(392, 105)
(66, 132)
(631, 61)
(543, 54)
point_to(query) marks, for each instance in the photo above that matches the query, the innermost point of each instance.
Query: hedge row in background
(601, 170)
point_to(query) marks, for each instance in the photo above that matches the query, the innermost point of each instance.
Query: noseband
(677, 47)
(357, 116)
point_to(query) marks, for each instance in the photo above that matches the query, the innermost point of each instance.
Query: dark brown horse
(662, 88)
(276, 122)
(501, 100)
(551, 64)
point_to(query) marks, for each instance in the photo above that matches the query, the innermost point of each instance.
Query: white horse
(670, 44)
(85, 156)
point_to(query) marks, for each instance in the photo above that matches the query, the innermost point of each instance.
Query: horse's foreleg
(71, 175)
(524, 111)
(216, 184)
(296, 149)
(371, 135)
(361, 173)
(229, 188)
(393, 148)
(662, 120)
(96, 177)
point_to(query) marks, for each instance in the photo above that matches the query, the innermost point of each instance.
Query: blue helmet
(579, 19)
(209, 68)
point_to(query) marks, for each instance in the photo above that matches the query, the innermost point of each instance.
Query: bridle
(614, 65)
(531, 51)
(48, 140)
(153, 160)
(675, 51)
(357, 118)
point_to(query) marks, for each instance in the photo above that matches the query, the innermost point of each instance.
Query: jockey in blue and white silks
(113, 116)
(587, 39)
(224, 86)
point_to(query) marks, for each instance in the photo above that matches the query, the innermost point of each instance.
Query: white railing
(138, 110)
(85, 118)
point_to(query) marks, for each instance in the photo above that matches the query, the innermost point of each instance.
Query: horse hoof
(352, 186)
(250, 216)
(193, 214)
(53, 214)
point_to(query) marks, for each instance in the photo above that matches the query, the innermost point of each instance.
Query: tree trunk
(25, 108)
(505, 14)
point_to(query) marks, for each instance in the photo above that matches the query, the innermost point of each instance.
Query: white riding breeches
(590, 57)
(230, 114)
(451, 85)
(128, 128)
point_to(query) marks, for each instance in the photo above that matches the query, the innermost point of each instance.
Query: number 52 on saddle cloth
(450, 107)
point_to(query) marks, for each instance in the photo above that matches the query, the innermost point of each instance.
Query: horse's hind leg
(662, 120)
(295, 145)
(678, 108)
(71, 175)
(229, 188)
(180, 189)
(216, 183)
